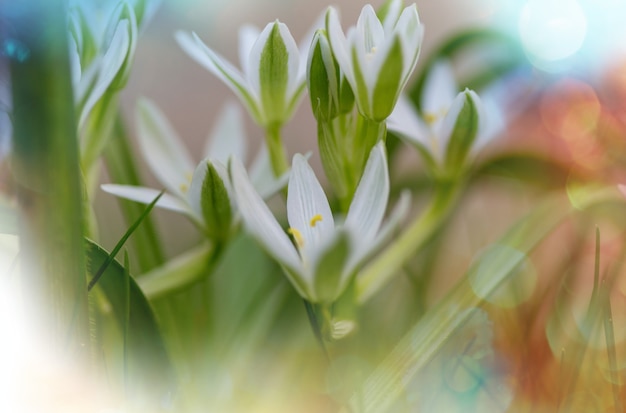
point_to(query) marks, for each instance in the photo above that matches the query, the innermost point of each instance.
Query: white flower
(325, 255)
(377, 57)
(441, 106)
(100, 53)
(173, 166)
(272, 76)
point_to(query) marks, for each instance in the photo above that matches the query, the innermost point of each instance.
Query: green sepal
(274, 77)
(387, 87)
(463, 135)
(328, 282)
(215, 204)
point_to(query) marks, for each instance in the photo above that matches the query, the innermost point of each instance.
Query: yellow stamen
(317, 218)
(430, 118)
(184, 187)
(297, 236)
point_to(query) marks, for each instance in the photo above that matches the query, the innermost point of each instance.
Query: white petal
(254, 59)
(227, 138)
(247, 36)
(220, 67)
(411, 33)
(391, 18)
(491, 121)
(194, 194)
(339, 45)
(110, 65)
(370, 30)
(405, 121)
(308, 210)
(296, 78)
(371, 45)
(262, 175)
(305, 45)
(387, 229)
(370, 199)
(146, 196)
(260, 222)
(439, 91)
(162, 148)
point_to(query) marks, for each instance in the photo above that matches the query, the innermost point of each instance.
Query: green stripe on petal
(215, 204)
(273, 74)
(388, 83)
(330, 278)
(361, 93)
(463, 134)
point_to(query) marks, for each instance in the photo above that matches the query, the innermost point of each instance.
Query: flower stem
(45, 150)
(278, 154)
(383, 268)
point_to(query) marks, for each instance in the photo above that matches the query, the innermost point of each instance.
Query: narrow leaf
(120, 244)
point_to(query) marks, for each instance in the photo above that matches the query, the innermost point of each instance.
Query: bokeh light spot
(552, 30)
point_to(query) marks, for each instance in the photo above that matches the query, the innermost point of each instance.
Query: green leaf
(387, 86)
(215, 204)
(274, 76)
(149, 367)
(121, 243)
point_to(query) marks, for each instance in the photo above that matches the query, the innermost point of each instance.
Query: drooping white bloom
(174, 167)
(377, 57)
(323, 255)
(272, 76)
(441, 105)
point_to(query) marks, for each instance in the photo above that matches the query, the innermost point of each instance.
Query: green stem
(278, 154)
(99, 126)
(47, 175)
(419, 232)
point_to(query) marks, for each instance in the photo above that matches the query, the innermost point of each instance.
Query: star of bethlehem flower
(321, 257)
(452, 125)
(272, 76)
(377, 56)
(101, 51)
(200, 191)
